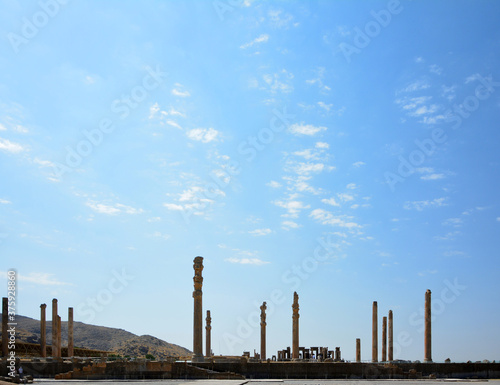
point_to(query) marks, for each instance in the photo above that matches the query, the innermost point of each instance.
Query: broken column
(59, 336)
(70, 332)
(208, 330)
(198, 311)
(295, 326)
(5, 320)
(337, 354)
(391, 346)
(43, 327)
(358, 350)
(374, 333)
(263, 331)
(428, 344)
(54, 328)
(384, 339)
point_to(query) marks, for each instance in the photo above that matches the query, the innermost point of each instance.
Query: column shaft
(54, 328)
(5, 320)
(208, 329)
(263, 331)
(428, 337)
(198, 310)
(391, 340)
(59, 337)
(70, 332)
(358, 350)
(384, 339)
(295, 326)
(43, 330)
(374, 333)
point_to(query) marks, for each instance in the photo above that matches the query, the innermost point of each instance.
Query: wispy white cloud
(193, 200)
(322, 145)
(305, 129)
(178, 91)
(204, 135)
(324, 106)
(421, 205)
(38, 278)
(287, 225)
(344, 197)
(246, 261)
(417, 85)
(358, 164)
(455, 222)
(274, 184)
(280, 19)
(327, 218)
(293, 207)
(331, 202)
(158, 234)
(261, 39)
(8, 146)
(260, 232)
(5, 202)
(112, 209)
(280, 81)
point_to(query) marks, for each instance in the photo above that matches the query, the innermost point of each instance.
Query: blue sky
(347, 150)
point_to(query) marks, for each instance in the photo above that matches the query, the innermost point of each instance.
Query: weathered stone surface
(70, 332)
(391, 338)
(428, 334)
(5, 320)
(295, 326)
(208, 331)
(198, 310)
(374, 333)
(263, 331)
(43, 329)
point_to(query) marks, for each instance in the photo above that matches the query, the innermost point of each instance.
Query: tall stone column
(70, 332)
(428, 337)
(59, 337)
(358, 350)
(384, 339)
(374, 333)
(43, 330)
(263, 331)
(295, 326)
(5, 320)
(54, 328)
(391, 339)
(198, 311)
(208, 332)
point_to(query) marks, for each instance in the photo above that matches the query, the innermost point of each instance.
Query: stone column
(391, 346)
(54, 327)
(428, 342)
(337, 354)
(208, 330)
(374, 333)
(43, 328)
(5, 320)
(358, 350)
(198, 311)
(59, 335)
(384, 339)
(70, 332)
(295, 327)
(263, 331)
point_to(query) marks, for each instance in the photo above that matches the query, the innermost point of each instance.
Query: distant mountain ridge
(88, 336)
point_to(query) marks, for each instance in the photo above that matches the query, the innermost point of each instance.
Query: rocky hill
(88, 336)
